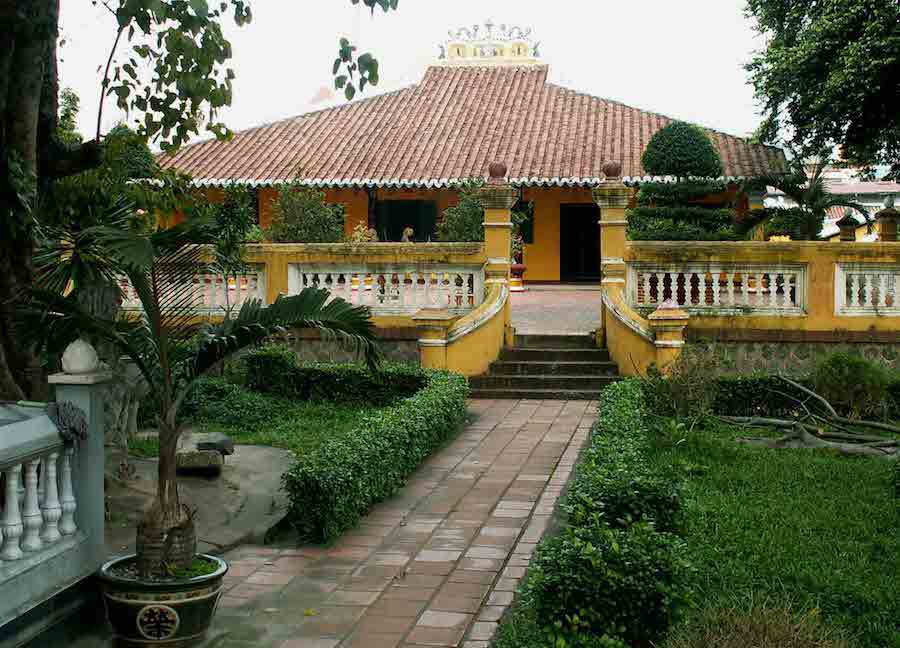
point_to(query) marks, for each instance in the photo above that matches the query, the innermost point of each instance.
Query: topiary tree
(682, 150)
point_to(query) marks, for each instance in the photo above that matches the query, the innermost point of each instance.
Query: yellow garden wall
(819, 259)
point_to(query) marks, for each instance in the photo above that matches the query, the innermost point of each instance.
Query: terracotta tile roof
(450, 127)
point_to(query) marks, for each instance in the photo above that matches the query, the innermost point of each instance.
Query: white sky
(681, 58)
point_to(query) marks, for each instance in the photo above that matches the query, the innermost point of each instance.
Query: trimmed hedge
(613, 485)
(619, 584)
(683, 223)
(334, 485)
(670, 194)
(683, 150)
(274, 369)
(612, 577)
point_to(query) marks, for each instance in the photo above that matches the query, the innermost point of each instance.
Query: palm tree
(811, 195)
(173, 346)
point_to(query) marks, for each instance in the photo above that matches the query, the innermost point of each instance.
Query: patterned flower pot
(516, 283)
(173, 614)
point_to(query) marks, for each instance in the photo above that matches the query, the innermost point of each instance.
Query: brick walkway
(549, 310)
(436, 565)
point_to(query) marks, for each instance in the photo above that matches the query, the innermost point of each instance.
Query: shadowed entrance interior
(579, 242)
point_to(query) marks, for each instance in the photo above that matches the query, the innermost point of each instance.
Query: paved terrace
(438, 564)
(556, 310)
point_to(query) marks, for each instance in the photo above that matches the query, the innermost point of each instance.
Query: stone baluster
(12, 520)
(50, 506)
(67, 494)
(31, 512)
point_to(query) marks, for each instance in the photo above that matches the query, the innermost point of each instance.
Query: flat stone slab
(207, 462)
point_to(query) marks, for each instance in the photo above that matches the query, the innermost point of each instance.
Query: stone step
(555, 342)
(536, 394)
(587, 383)
(553, 368)
(554, 355)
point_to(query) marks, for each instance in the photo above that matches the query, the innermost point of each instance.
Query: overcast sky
(680, 58)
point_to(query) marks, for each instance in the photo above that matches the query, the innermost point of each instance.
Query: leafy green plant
(663, 194)
(332, 486)
(301, 215)
(173, 347)
(596, 581)
(465, 220)
(682, 150)
(852, 384)
(273, 369)
(682, 223)
(812, 197)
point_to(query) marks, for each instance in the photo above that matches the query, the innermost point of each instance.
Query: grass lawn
(809, 530)
(280, 423)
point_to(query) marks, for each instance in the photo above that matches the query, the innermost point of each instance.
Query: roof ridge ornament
(489, 44)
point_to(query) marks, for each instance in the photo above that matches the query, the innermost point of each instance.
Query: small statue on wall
(407, 235)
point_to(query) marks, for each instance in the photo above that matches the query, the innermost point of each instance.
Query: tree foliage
(810, 193)
(830, 76)
(682, 150)
(301, 215)
(168, 67)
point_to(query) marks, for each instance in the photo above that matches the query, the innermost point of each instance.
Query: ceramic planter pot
(516, 270)
(170, 614)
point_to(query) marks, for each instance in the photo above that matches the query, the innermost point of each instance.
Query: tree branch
(67, 162)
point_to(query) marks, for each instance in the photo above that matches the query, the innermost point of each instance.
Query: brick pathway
(555, 311)
(436, 565)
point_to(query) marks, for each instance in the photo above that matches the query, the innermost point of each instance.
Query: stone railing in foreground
(806, 288)
(51, 505)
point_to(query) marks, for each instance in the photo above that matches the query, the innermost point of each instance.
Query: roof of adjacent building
(448, 128)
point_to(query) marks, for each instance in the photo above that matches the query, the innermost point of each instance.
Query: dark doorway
(579, 242)
(392, 216)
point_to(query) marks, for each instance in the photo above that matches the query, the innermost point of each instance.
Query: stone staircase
(548, 367)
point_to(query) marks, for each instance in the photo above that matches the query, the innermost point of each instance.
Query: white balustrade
(720, 288)
(400, 290)
(866, 289)
(211, 293)
(33, 516)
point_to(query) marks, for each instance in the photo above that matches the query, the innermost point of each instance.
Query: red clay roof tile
(449, 128)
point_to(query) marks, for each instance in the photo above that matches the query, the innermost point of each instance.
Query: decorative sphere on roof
(612, 169)
(497, 171)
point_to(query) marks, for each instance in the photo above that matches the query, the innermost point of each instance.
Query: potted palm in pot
(166, 593)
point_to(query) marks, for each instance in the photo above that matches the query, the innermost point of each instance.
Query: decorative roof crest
(489, 44)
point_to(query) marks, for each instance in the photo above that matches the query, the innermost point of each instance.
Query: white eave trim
(431, 183)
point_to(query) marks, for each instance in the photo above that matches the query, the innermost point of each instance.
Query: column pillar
(668, 323)
(86, 391)
(887, 220)
(498, 197)
(434, 324)
(847, 226)
(612, 196)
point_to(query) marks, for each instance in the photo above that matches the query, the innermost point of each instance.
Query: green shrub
(681, 223)
(465, 220)
(627, 584)
(613, 484)
(215, 400)
(670, 194)
(682, 150)
(852, 384)
(336, 483)
(756, 394)
(274, 369)
(301, 215)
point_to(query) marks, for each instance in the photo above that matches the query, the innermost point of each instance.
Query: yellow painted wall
(818, 257)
